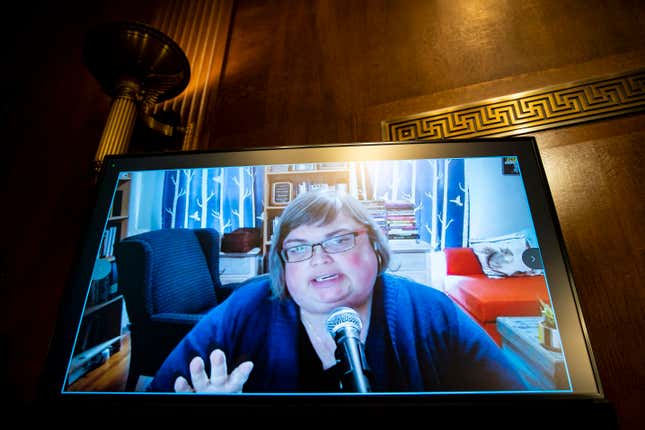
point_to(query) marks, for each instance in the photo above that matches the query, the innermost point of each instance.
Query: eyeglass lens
(336, 244)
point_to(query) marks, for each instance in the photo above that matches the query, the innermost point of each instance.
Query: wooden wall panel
(332, 74)
(595, 174)
(200, 28)
(300, 72)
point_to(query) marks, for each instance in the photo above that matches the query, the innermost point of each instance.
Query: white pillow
(502, 256)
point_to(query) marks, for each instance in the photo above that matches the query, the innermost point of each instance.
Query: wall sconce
(138, 66)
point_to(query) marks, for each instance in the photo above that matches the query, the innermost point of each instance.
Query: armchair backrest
(168, 271)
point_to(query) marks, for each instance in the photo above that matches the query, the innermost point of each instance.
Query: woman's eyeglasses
(333, 245)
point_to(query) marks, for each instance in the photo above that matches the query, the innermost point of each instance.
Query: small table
(239, 266)
(541, 368)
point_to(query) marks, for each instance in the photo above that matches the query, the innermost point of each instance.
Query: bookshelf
(117, 226)
(102, 322)
(282, 183)
(99, 336)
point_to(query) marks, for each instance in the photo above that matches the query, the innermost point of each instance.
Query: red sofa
(484, 298)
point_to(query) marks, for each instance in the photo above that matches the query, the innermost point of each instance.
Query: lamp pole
(138, 66)
(119, 125)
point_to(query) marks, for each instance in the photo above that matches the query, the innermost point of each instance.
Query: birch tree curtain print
(223, 198)
(228, 198)
(436, 190)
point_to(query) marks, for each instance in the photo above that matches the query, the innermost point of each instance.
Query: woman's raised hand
(219, 381)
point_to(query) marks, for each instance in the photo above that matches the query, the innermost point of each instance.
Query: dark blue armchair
(169, 279)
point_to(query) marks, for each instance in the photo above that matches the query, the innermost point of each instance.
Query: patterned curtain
(224, 198)
(435, 190)
(231, 197)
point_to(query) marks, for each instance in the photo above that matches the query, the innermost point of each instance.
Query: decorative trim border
(520, 113)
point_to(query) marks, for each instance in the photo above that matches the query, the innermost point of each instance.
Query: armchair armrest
(188, 320)
(462, 261)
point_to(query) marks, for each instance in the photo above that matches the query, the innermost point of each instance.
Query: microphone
(344, 325)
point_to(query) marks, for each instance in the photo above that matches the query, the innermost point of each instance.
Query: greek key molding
(529, 111)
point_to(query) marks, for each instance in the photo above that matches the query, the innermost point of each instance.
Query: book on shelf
(339, 165)
(376, 208)
(279, 168)
(110, 236)
(102, 290)
(401, 220)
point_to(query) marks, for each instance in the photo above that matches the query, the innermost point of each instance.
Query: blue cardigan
(435, 346)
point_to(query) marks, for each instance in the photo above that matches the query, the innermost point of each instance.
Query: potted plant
(548, 334)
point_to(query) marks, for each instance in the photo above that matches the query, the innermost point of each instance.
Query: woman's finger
(239, 376)
(182, 386)
(219, 373)
(198, 375)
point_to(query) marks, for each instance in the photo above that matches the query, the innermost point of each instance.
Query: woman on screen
(328, 253)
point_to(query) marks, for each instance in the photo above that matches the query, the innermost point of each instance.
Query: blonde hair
(322, 207)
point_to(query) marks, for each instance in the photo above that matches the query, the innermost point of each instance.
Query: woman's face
(326, 281)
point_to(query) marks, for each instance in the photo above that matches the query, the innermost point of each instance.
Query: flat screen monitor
(390, 273)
